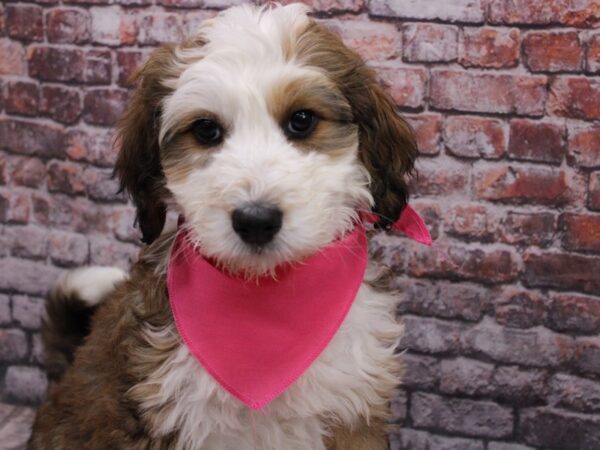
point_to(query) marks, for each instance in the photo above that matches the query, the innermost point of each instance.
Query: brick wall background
(502, 314)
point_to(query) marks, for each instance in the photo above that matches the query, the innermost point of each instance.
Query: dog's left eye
(300, 124)
(207, 132)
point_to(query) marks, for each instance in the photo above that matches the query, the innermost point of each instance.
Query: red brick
(441, 299)
(69, 64)
(61, 103)
(431, 214)
(29, 172)
(593, 200)
(14, 207)
(436, 180)
(159, 28)
(490, 47)
(328, 6)
(519, 387)
(581, 232)
(487, 92)
(104, 106)
(527, 228)
(13, 344)
(89, 2)
(428, 335)
(30, 138)
(3, 169)
(421, 372)
(104, 251)
(193, 19)
(552, 428)
(406, 85)
(113, 26)
(584, 145)
(430, 42)
(129, 61)
(553, 51)
(101, 185)
(575, 97)
(25, 22)
(470, 417)
(123, 224)
(5, 318)
(575, 393)
(68, 249)
(533, 347)
(587, 355)
(562, 271)
(28, 311)
(520, 309)
(469, 221)
(26, 384)
(56, 63)
(475, 137)
(457, 10)
(2, 21)
(68, 26)
(65, 177)
(574, 313)
(12, 58)
(536, 141)
(409, 439)
(540, 12)
(523, 185)
(70, 213)
(428, 131)
(28, 242)
(457, 261)
(22, 98)
(373, 41)
(593, 54)
(95, 146)
(465, 376)
(98, 67)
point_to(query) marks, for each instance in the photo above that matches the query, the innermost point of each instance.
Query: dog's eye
(207, 132)
(300, 124)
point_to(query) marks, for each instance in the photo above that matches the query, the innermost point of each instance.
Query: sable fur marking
(133, 384)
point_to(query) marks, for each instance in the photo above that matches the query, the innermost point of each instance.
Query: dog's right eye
(207, 132)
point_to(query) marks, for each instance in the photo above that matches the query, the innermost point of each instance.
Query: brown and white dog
(264, 112)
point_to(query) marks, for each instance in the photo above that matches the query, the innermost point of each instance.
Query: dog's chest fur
(351, 380)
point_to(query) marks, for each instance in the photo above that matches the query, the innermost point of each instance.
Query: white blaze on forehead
(246, 51)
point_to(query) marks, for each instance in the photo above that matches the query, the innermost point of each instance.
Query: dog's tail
(69, 310)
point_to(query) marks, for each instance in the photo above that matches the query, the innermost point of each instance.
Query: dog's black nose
(257, 223)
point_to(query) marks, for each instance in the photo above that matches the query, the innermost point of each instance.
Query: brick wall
(502, 314)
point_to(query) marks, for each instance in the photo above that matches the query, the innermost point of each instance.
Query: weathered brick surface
(502, 315)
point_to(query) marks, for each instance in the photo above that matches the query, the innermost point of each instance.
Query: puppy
(262, 110)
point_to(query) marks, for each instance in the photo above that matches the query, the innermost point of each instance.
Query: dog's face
(267, 134)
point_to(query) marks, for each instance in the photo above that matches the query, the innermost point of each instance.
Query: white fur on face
(233, 77)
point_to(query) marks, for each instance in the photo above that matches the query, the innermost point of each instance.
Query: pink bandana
(257, 337)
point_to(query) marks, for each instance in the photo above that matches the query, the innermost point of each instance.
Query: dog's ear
(138, 164)
(387, 149)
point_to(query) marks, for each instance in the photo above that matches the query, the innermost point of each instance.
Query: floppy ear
(138, 164)
(387, 149)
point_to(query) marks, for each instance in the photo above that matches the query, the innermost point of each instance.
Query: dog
(263, 115)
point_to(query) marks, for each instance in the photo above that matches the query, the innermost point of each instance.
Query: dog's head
(268, 134)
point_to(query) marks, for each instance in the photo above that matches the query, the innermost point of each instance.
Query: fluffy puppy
(262, 110)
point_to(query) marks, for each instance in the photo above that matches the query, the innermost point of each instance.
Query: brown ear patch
(387, 147)
(138, 164)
